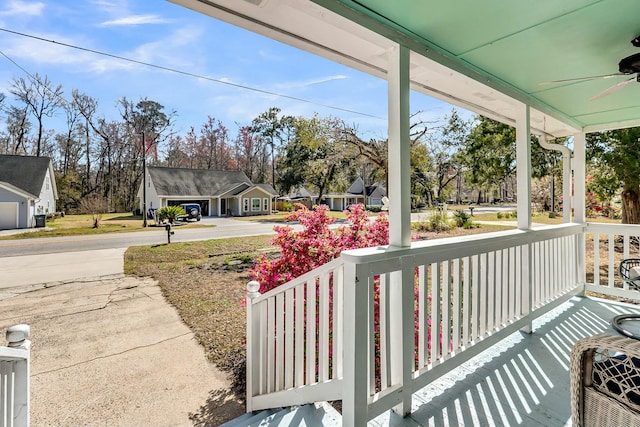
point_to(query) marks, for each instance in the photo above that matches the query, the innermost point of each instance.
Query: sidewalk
(113, 352)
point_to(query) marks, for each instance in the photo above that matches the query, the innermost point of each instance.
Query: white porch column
(523, 167)
(219, 207)
(523, 177)
(579, 177)
(579, 193)
(398, 150)
(401, 334)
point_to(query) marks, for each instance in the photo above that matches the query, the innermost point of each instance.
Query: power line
(186, 73)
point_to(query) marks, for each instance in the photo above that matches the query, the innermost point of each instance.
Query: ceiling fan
(629, 66)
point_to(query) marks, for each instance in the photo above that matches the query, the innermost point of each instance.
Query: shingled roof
(195, 182)
(24, 172)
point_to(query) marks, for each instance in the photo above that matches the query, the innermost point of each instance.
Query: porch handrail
(14, 378)
(440, 249)
(328, 267)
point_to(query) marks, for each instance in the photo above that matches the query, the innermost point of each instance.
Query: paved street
(224, 227)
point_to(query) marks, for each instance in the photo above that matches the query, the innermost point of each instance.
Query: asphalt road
(224, 228)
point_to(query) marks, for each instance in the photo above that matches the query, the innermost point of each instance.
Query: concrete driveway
(113, 352)
(108, 349)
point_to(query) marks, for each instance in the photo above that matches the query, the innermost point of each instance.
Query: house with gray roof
(219, 193)
(358, 192)
(27, 188)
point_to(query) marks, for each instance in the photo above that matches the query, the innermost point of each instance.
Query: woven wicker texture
(605, 381)
(628, 273)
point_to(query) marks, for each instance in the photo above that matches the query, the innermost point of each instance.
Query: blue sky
(164, 34)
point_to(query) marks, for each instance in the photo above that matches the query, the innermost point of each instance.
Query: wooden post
(253, 344)
(579, 192)
(523, 177)
(400, 219)
(17, 337)
(356, 341)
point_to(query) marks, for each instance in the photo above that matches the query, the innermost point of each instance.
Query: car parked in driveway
(192, 211)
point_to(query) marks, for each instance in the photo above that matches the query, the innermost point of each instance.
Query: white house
(27, 188)
(356, 193)
(219, 193)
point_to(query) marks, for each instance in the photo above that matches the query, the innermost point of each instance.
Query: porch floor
(522, 381)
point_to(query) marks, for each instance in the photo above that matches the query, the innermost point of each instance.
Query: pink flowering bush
(317, 243)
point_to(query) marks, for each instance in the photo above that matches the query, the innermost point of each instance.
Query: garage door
(8, 215)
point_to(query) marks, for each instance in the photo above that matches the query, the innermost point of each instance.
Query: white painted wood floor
(523, 381)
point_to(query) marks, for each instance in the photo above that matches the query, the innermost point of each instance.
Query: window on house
(255, 205)
(265, 205)
(245, 205)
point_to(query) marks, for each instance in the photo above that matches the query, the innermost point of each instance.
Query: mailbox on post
(169, 232)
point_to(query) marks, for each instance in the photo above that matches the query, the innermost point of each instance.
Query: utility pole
(144, 182)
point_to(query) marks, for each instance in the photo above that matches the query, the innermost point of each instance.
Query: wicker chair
(605, 382)
(629, 274)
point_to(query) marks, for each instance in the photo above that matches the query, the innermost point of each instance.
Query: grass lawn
(75, 225)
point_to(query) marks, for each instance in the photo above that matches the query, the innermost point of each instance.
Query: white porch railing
(14, 378)
(609, 244)
(377, 342)
(294, 340)
(464, 295)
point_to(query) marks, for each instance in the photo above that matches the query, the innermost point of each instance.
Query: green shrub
(374, 208)
(439, 221)
(500, 215)
(288, 207)
(169, 213)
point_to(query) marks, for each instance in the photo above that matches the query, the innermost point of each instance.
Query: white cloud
(111, 6)
(22, 8)
(135, 20)
(40, 52)
(306, 83)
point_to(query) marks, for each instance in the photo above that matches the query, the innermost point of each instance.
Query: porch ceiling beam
(399, 148)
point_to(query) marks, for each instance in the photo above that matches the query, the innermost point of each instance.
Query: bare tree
(40, 98)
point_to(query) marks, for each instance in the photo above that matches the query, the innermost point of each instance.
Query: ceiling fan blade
(580, 79)
(613, 88)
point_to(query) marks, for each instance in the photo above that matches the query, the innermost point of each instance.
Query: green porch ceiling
(524, 44)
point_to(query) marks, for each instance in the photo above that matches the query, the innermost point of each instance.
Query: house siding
(47, 201)
(252, 195)
(25, 215)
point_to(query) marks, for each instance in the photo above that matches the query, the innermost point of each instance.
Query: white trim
(15, 190)
(253, 199)
(253, 187)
